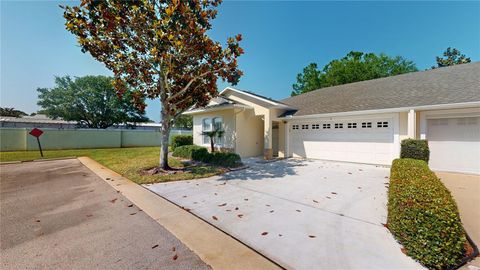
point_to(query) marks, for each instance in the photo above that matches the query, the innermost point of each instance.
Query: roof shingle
(456, 84)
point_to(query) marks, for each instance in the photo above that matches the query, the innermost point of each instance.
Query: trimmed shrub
(416, 149)
(423, 216)
(187, 151)
(224, 159)
(181, 140)
(201, 155)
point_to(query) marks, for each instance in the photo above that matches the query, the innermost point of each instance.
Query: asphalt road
(60, 215)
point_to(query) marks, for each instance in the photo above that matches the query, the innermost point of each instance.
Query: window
(315, 126)
(352, 125)
(338, 125)
(294, 126)
(382, 124)
(304, 126)
(209, 124)
(367, 125)
(326, 126)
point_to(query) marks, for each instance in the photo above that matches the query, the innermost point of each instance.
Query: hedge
(181, 140)
(199, 153)
(423, 216)
(187, 151)
(416, 149)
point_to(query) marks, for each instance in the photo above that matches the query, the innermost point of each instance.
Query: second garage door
(366, 141)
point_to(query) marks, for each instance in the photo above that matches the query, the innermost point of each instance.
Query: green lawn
(125, 161)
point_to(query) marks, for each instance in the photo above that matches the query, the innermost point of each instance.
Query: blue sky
(280, 38)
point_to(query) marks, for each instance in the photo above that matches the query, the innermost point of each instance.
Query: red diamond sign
(36, 132)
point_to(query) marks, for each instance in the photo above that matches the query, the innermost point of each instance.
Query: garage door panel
(364, 145)
(454, 144)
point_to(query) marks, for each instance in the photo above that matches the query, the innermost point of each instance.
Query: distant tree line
(359, 66)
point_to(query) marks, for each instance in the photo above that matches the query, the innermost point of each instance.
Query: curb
(35, 160)
(213, 246)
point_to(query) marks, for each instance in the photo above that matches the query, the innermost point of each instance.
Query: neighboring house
(357, 122)
(43, 121)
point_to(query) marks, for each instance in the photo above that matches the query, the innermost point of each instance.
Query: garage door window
(338, 125)
(304, 126)
(352, 125)
(382, 124)
(367, 125)
(326, 126)
(315, 126)
(294, 126)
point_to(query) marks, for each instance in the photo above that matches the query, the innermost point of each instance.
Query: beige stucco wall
(403, 125)
(228, 127)
(249, 133)
(281, 139)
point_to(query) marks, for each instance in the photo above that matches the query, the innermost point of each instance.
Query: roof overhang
(273, 104)
(389, 110)
(217, 108)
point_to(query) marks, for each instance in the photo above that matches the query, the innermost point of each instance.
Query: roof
(268, 100)
(455, 84)
(223, 103)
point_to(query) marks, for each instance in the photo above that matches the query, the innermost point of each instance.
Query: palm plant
(216, 133)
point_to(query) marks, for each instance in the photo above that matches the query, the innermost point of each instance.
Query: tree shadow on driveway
(258, 170)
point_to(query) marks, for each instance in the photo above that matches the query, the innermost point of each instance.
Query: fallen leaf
(315, 201)
(108, 178)
(92, 190)
(154, 246)
(334, 193)
(89, 215)
(245, 199)
(173, 249)
(113, 201)
(328, 197)
(229, 210)
(264, 233)
(271, 211)
(184, 196)
(240, 215)
(404, 251)
(298, 210)
(215, 194)
(224, 183)
(359, 187)
(38, 220)
(222, 205)
(214, 217)
(312, 236)
(175, 257)
(386, 177)
(130, 205)
(268, 205)
(360, 169)
(280, 235)
(349, 173)
(385, 225)
(236, 208)
(133, 214)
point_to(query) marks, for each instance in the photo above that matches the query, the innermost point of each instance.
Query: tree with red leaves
(160, 48)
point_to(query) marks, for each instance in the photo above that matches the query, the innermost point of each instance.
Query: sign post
(37, 133)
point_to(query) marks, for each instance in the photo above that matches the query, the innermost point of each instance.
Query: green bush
(223, 159)
(187, 151)
(181, 140)
(423, 216)
(201, 155)
(416, 149)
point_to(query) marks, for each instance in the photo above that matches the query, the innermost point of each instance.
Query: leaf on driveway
(184, 196)
(113, 201)
(298, 210)
(222, 205)
(175, 257)
(108, 178)
(130, 205)
(38, 220)
(280, 235)
(334, 193)
(154, 246)
(349, 173)
(264, 233)
(271, 211)
(240, 215)
(215, 194)
(89, 215)
(328, 197)
(245, 199)
(315, 201)
(359, 187)
(267, 205)
(236, 208)
(173, 249)
(214, 218)
(312, 236)
(133, 214)
(404, 251)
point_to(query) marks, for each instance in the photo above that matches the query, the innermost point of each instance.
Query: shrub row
(423, 216)
(181, 140)
(416, 149)
(199, 153)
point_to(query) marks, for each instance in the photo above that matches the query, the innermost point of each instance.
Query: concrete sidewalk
(60, 215)
(465, 189)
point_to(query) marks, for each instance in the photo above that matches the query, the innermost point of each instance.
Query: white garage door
(364, 141)
(454, 144)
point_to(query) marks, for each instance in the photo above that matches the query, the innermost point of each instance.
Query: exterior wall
(18, 139)
(228, 126)
(249, 140)
(281, 140)
(403, 125)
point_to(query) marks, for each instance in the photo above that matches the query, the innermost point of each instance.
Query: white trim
(276, 104)
(390, 110)
(221, 108)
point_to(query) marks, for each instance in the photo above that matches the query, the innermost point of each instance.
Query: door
(363, 141)
(454, 144)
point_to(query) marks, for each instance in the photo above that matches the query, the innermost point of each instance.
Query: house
(357, 122)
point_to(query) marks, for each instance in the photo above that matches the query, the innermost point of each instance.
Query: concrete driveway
(301, 214)
(60, 215)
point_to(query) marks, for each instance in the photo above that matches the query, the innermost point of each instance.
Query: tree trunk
(212, 145)
(164, 146)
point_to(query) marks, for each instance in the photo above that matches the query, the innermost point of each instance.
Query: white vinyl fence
(19, 139)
